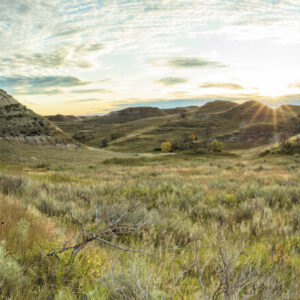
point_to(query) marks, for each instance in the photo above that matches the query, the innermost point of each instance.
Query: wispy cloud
(44, 85)
(82, 100)
(43, 81)
(171, 80)
(89, 91)
(68, 56)
(216, 40)
(221, 85)
(36, 91)
(194, 62)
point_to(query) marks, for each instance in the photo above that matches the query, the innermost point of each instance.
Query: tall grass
(195, 216)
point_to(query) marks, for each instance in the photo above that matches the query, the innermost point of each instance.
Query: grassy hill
(143, 129)
(286, 146)
(17, 122)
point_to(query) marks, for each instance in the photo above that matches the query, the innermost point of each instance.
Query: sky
(95, 56)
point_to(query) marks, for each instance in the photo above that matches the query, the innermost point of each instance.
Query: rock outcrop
(19, 123)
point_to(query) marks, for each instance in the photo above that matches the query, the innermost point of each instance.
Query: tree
(216, 146)
(166, 147)
(285, 144)
(283, 139)
(104, 143)
(206, 135)
(185, 138)
(192, 137)
(114, 136)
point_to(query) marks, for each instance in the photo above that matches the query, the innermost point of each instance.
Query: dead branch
(113, 229)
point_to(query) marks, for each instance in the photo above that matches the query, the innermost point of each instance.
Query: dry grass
(22, 227)
(189, 207)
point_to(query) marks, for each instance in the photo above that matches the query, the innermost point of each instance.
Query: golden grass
(189, 208)
(22, 227)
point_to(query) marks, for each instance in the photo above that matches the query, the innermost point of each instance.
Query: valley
(81, 221)
(237, 125)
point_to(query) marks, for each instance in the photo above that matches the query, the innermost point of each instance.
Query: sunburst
(291, 111)
(282, 114)
(275, 119)
(257, 113)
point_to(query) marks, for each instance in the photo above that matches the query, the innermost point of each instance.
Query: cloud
(294, 85)
(115, 37)
(67, 31)
(43, 81)
(194, 62)
(290, 98)
(91, 91)
(43, 85)
(95, 47)
(36, 91)
(171, 80)
(223, 85)
(62, 57)
(82, 100)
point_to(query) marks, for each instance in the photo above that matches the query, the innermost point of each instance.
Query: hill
(285, 146)
(216, 106)
(17, 122)
(62, 118)
(145, 128)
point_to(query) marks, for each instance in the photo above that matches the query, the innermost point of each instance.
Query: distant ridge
(135, 113)
(252, 110)
(145, 128)
(216, 106)
(19, 123)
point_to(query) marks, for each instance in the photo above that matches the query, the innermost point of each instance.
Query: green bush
(166, 147)
(216, 146)
(11, 273)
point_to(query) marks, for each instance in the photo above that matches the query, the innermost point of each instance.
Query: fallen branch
(113, 229)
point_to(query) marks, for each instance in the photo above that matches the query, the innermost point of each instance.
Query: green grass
(252, 122)
(195, 210)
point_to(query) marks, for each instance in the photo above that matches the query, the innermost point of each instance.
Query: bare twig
(112, 229)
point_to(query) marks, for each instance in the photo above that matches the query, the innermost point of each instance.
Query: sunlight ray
(267, 115)
(290, 110)
(283, 115)
(275, 124)
(257, 113)
(250, 107)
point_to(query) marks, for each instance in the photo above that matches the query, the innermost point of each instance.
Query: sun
(273, 89)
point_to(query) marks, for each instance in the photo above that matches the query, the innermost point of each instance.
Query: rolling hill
(143, 129)
(19, 123)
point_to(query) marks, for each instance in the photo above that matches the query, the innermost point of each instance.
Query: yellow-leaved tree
(166, 147)
(216, 146)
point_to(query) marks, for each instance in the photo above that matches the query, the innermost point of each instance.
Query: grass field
(175, 226)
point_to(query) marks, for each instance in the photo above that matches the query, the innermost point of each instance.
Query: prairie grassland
(224, 227)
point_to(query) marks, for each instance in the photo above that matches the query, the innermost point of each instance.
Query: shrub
(295, 218)
(11, 185)
(11, 273)
(200, 151)
(104, 143)
(242, 213)
(192, 137)
(166, 147)
(216, 146)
